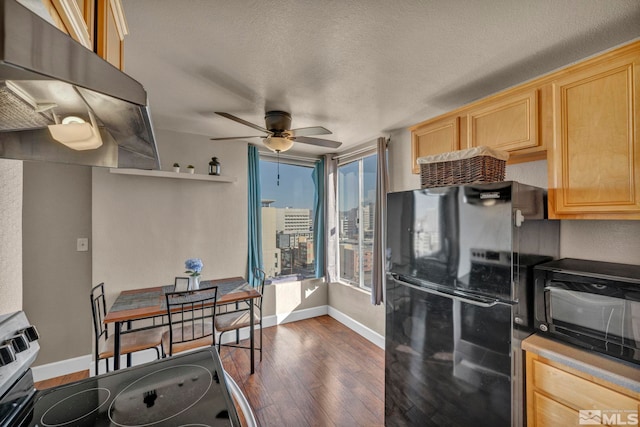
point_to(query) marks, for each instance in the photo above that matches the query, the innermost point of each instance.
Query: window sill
(351, 285)
(308, 280)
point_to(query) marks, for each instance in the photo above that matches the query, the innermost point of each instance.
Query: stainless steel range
(185, 390)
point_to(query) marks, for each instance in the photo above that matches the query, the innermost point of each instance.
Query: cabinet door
(508, 123)
(74, 17)
(440, 136)
(546, 412)
(595, 161)
(552, 399)
(112, 29)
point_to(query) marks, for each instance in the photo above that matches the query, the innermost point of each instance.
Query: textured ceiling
(360, 68)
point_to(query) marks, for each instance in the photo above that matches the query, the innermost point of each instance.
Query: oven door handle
(457, 295)
(241, 400)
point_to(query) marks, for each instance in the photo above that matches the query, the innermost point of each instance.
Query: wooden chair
(130, 342)
(191, 319)
(239, 316)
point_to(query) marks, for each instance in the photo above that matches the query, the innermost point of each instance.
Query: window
(287, 219)
(356, 214)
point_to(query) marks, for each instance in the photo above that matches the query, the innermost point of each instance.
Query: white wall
(10, 235)
(144, 228)
(601, 240)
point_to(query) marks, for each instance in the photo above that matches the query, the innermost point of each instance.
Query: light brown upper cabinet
(112, 29)
(594, 164)
(81, 19)
(510, 121)
(507, 122)
(434, 137)
(74, 17)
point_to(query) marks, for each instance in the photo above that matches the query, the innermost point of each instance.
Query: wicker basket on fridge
(474, 165)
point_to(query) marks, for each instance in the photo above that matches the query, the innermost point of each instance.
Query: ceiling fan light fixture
(277, 144)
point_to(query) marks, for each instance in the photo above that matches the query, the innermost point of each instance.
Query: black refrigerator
(459, 263)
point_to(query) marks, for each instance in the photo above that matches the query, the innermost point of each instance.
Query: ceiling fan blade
(244, 122)
(235, 137)
(317, 141)
(313, 130)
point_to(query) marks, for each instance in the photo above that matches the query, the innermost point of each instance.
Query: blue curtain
(254, 259)
(318, 213)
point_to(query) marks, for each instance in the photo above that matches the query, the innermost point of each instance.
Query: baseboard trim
(357, 327)
(279, 319)
(81, 363)
(63, 367)
(294, 316)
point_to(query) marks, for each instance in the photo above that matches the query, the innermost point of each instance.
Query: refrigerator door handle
(471, 299)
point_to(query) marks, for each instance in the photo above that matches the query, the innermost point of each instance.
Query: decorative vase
(194, 283)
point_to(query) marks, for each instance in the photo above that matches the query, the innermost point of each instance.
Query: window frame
(343, 161)
(284, 159)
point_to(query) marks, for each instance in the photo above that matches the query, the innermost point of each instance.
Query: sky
(296, 185)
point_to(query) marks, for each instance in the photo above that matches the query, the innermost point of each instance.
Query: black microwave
(592, 304)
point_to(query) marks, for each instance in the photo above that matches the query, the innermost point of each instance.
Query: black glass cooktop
(184, 390)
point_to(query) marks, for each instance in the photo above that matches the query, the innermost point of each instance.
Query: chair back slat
(181, 284)
(262, 277)
(191, 315)
(99, 311)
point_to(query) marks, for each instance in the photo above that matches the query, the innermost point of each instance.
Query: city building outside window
(287, 219)
(356, 213)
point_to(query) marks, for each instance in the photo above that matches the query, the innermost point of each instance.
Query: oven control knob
(19, 343)
(30, 332)
(7, 355)
(543, 327)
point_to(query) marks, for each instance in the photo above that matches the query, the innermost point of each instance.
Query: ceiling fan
(279, 135)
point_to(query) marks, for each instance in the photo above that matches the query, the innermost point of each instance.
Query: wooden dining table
(149, 303)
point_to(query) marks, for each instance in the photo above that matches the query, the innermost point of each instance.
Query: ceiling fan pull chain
(278, 157)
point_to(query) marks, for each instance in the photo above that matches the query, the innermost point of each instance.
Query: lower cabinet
(559, 395)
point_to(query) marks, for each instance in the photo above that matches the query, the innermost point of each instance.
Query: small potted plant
(191, 169)
(176, 167)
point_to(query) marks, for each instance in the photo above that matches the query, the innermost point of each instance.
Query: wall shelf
(174, 175)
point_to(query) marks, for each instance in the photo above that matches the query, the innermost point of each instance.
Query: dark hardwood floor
(63, 379)
(315, 372)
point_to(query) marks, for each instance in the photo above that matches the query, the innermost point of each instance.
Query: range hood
(45, 75)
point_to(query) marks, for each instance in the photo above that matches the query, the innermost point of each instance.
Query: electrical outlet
(82, 244)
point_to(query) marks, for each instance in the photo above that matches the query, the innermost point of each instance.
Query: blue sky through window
(296, 185)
